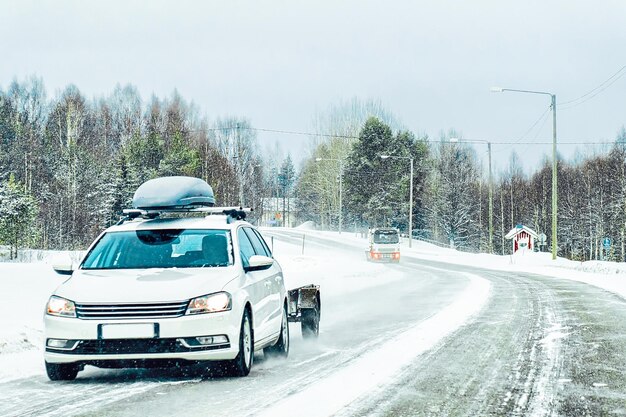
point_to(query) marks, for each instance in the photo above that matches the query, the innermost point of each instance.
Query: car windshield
(165, 248)
(386, 236)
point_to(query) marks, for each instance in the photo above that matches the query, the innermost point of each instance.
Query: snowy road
(540, 347)
(537, 346)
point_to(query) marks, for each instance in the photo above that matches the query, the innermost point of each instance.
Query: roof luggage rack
(233, 213)
(177, 195)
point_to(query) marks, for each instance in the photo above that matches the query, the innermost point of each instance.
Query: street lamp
(410, 193)
(554, 181)
(490, 188)
(340, 184)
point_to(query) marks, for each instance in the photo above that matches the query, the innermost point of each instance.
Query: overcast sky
(431, 63)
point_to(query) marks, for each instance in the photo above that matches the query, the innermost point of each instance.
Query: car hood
(144, 285)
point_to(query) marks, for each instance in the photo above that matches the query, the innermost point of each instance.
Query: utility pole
(554, 178)
(239, 166)
(554, 163)
(490, 244)
(490, 201)
(340, 161)
(411, 206)
(340, 192)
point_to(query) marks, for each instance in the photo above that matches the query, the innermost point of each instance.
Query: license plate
(128, 331)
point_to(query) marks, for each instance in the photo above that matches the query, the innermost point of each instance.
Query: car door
(274, 281)
(257, 287)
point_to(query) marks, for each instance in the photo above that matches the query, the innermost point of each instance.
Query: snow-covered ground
(25, 288)
(24, 291)
(610, 276)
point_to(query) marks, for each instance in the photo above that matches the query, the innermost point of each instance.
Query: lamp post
(340, 185)
(410, 158)
(490, 188)
(554, 176)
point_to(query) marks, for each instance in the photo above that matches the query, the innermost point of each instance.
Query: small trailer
(305, 307)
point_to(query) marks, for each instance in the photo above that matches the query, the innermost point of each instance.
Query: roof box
(173, 193)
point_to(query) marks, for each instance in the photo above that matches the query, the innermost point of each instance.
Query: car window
(259, 248)
(161, 248)
(386, 236)
(264, 243)
(246, 250)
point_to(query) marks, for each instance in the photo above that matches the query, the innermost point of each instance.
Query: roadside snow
(610, 276)
(337, 272)
(24, 291)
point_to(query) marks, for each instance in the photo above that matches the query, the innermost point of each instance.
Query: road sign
(606, 242)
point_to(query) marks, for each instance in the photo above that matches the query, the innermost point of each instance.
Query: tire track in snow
(378, 367)
(506, 362)
(63, 399)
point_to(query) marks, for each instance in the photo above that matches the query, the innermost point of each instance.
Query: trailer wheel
(310, 323)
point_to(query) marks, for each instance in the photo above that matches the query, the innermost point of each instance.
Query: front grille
(131, 311)
(127, 346)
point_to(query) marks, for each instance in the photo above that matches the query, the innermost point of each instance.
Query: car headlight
(211, 303)
(61, 307)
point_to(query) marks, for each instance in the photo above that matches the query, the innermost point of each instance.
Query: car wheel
(281, 348)
(241, 365)
(62, 371)
(310, 322)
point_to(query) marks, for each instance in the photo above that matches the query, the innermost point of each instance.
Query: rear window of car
(386, 236)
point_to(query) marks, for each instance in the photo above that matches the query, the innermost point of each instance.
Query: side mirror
(258, 263)
(62, 264)
(63, 269)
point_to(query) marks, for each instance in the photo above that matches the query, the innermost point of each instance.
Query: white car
(167, 292)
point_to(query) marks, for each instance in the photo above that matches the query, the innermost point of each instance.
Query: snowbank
(610, 276)
(24, 291)
(39, 255)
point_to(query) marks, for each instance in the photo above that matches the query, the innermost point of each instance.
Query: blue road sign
(606, 242)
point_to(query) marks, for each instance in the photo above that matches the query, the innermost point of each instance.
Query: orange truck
(383, 245)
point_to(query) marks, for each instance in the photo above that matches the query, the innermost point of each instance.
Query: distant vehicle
(154, 291)
(383, 245)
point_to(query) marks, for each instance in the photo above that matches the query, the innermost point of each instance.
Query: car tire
(310, 322)
(281, 348)
(62, 371)
(241, 365)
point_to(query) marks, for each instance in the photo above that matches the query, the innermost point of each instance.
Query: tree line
(74, 163)
(69, 165)
(451, 191)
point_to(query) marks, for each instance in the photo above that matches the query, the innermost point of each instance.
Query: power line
(595, 91)
(535, 124)
(433, 141)
(585, 97)
(287, 132)
(546, 142)
(542, 117)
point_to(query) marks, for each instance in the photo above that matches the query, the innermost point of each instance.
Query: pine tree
(18, 210)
